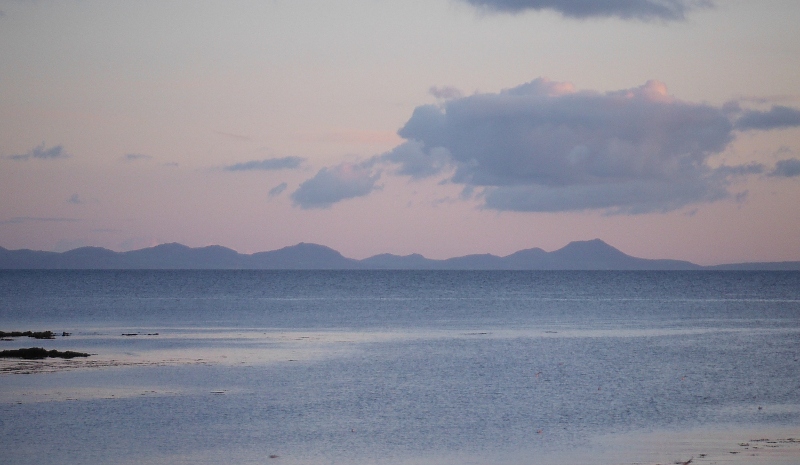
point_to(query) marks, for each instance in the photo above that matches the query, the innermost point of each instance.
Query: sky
(667, 128)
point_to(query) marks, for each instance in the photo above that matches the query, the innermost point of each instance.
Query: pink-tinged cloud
(545, 146)
(331, 185)
(545, 87)
(445, 93)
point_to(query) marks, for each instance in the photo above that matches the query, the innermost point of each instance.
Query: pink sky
(444, 127)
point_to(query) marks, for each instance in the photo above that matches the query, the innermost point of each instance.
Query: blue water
(389, 366)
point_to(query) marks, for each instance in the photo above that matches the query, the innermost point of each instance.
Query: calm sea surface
(392, 367)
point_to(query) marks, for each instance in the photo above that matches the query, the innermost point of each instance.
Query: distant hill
(758, 266)
(302, 256)
(580, 255)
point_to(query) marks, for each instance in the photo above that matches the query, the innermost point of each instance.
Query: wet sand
(726, 446)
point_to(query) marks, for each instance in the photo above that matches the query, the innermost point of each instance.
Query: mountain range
(580, 255)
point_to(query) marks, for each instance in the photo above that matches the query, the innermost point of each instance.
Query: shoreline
(724, 445)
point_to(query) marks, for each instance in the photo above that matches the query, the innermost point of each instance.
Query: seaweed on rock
(33, 334)
(36, 353)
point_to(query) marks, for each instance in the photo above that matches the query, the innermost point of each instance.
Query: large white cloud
(665, 10)
(544, 146)
(412, 159)
(630, 197)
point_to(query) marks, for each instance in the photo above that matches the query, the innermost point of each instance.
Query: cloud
(445, 93)
(415, 161)
(664, 10)
(278, 190)
(740, 170)
(34, 219)
(787, 168)
(136, 156)
(42, 153)
(545, 146)
(269, 164)
(779, 117)
(331, 185)
(632, 197)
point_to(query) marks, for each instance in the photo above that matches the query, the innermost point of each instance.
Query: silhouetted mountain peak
(592, 248)
(303, 256)
(170, 246)
(579, 255)
(307, 248)
(217, 250)
(89, 250)
(397, 262)
(534, 252)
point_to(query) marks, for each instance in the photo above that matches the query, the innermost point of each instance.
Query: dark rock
(37, 353)
(33, 334)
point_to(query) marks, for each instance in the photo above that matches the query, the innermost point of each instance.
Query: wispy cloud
(135, 157)
(645, 10)
(43, 153)
(270, 164)
(278, 190)
(445, 92)
(778, 117)
(740, 170)
(36, 219)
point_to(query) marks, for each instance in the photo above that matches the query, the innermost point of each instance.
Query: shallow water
(396, 367)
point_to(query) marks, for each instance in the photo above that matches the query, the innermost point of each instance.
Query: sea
(401, 367)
